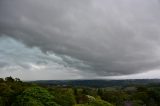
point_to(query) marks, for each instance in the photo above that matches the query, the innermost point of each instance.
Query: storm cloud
(106, 37)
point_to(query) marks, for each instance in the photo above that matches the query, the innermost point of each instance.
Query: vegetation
(14, 92)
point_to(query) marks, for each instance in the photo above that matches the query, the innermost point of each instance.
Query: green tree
(9, 79)
(1, 80)
(95, 102)
(115, 97)
(64, 96)
(154, 94)
(6, 93)
(1, 102)
(143, 96)
(35, 96)
(27, 101)
(137, 103)
(99, 103)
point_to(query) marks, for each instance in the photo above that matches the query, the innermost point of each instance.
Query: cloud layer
(20, 61)
(110, 37)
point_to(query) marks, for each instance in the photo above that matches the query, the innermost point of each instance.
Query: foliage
(99, 103)
(35, 96)
(14, 92)
(1, 102)
(27, 101)
(95, 102)
(64, 97)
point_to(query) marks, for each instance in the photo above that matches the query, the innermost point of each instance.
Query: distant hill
(98, 83)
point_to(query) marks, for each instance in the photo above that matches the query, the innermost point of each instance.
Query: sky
(80, 39)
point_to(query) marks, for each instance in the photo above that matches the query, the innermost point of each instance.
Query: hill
(98, 83)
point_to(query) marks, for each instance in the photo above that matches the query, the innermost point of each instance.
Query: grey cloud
(16, 58)
(3, 64)
(110, 37)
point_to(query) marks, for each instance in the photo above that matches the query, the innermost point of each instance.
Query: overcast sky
(79, 39)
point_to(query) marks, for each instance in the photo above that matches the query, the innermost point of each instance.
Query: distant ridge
(98, 82)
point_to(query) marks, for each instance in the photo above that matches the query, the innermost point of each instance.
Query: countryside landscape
(79, 52)
(14, 92)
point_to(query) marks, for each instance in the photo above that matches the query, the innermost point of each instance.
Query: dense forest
(14, 92)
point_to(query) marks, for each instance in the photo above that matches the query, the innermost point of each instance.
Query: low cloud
(31, 63)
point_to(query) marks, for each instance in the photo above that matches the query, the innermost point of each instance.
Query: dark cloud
(110, 37)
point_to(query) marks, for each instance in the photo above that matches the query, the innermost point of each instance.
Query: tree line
(14, 92)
